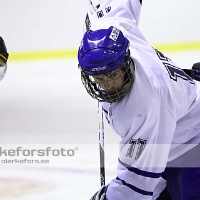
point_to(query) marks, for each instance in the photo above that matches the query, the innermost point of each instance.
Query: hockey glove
(3, 58)
(196, 71)
(101, 194)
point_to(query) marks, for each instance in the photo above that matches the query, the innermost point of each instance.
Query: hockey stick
(101, 144)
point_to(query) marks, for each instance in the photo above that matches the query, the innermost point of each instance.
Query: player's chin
(114, 91)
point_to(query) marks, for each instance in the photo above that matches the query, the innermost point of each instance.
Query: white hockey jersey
(159, 119)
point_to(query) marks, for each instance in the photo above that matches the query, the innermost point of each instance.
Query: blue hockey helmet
(103, 52)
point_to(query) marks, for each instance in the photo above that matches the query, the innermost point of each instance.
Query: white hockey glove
(101, 194)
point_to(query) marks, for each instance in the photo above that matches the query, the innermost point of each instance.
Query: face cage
(101, 95)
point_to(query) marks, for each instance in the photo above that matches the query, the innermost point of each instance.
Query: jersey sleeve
(115, 13)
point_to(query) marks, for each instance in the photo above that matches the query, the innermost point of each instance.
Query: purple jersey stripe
(143, 192)
(105, 111)
(141, 172)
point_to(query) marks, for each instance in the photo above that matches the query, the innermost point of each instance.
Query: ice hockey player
(148, 100)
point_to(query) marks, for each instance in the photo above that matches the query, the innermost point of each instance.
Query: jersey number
(100, 13)
(136, 148)
(173, 71)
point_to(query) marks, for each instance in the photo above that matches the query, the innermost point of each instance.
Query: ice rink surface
(43, 104)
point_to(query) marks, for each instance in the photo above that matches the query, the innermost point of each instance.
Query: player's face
(110, 82)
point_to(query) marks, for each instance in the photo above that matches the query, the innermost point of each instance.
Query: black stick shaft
(101, 145)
